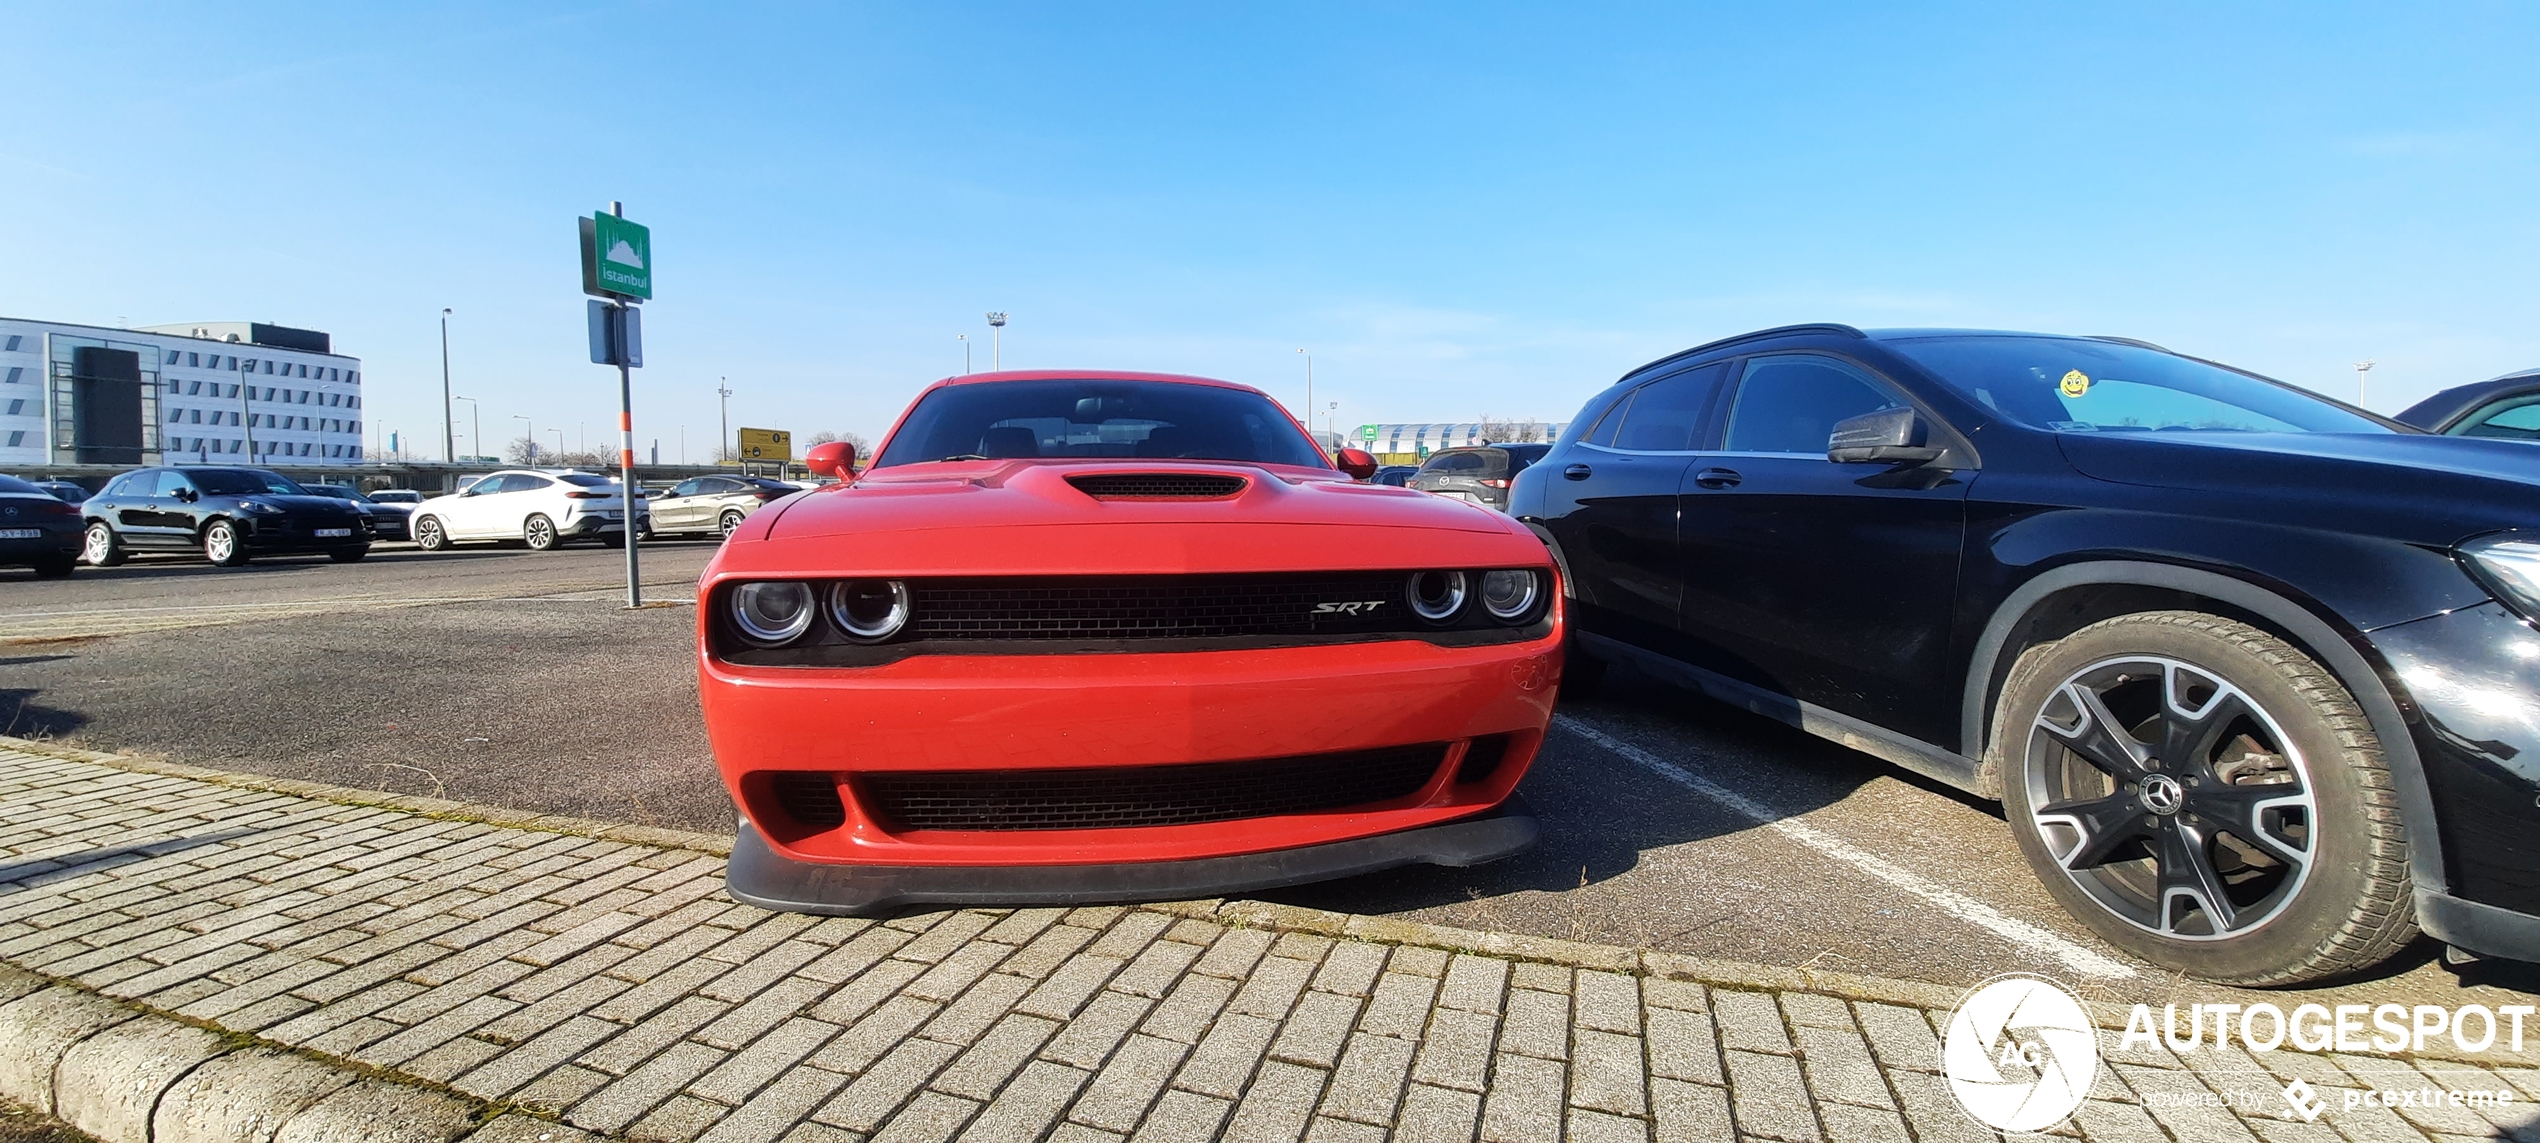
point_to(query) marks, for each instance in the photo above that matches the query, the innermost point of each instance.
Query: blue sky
(1459, 209)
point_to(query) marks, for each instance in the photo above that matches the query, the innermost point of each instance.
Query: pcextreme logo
(2020, 1053)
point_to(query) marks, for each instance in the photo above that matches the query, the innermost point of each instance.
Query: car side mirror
(1357, 463)
(1889, 436)
(831, 458)
(188, 495)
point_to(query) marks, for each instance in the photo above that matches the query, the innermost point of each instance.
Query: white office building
(207, 393)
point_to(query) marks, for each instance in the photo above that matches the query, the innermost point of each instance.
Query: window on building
(174, 415)
(232, 363)
(233, 420)
(17, 407)
(13, 343)
(268, 367)
(17, 439)
(196, 419)
(16, 371)
(304, 369)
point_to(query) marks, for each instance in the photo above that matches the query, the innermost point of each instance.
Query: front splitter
(757, 875)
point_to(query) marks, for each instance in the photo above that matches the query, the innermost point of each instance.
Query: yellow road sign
(767, 444)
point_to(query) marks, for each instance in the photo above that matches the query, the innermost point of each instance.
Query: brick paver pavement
(608, 983)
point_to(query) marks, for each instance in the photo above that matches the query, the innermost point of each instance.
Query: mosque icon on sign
(624, 254)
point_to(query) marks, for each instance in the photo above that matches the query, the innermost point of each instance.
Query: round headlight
(1436, 595)
(1509, 595)
(773, 613)
(869, 610)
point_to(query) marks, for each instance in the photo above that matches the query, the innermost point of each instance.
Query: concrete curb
(126, 1074)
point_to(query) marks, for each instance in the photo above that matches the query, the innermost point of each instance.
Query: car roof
(2459, 400)
(1836, 329)
(1086, 375)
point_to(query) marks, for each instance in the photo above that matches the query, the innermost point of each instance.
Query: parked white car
(542, 509)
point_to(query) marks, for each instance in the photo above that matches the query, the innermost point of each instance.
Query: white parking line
(2019, 933)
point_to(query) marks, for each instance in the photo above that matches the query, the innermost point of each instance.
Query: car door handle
(1717, 478)
(1578, 472)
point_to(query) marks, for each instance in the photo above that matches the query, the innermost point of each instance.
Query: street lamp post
(449, 448)
(1309, 395)
(996, 330)
(246, 413)
(531, 432)
(476, 433)
(723, 389)
(559, 443)
(2361, 368)
(965, 353)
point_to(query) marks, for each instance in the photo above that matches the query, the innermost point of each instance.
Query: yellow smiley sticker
(2076, 383)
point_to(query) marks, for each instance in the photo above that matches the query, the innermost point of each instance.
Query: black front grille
(1157, 485)
(1116, 797)
(1160, 607)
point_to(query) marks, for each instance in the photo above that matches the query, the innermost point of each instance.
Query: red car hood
(1017, 517)
(1010, 493)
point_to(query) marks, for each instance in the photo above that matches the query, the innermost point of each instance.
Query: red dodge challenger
(1095, 636)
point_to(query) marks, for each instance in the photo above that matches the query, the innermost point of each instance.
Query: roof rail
(2136, 342)
(1835, 328)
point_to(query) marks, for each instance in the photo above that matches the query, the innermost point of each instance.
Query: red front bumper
(1039, 712)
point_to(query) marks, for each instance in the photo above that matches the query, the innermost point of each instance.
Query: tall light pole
(1309, 396)
(476, 434)
(246, 412)
(559, 443)
(965, 353)
(996, 329)
(449, 448)
(2361, 368)
(723, 389)
(532, 435)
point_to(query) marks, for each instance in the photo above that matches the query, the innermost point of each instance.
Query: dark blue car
(2253, 673)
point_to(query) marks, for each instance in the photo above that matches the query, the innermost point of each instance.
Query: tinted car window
(1790, 404)
(243, 482)
(2080, 385)
(687, 487)
(1610, 423)
(1470, 461)
(171, 483)
(1665, 412)
(583, 479)
(1522, 457)
(129, 484)
(1098, 419)
(2512, 419)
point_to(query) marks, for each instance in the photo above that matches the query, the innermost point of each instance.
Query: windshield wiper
(963, 456)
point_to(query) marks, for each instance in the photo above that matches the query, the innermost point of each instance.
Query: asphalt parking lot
(519, 679)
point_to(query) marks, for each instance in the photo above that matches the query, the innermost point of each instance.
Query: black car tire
(223, 545)
(101, 547)
(539, 533)
(55, 567)
(2274, 758)
(349, 555)
(727, 524)
(429, 536)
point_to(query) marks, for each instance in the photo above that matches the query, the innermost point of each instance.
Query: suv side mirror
(1357, 463)
(188, 495)
(1889, 436)
(831, 458)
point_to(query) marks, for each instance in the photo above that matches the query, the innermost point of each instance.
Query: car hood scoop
(1157, 485)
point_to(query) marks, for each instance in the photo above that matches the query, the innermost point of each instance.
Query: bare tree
(1513, 432)
(824, 436)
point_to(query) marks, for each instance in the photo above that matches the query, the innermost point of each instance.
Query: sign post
(617, 268)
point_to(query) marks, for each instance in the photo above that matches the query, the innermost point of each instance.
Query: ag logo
(2020, 1053)
(1353, 608)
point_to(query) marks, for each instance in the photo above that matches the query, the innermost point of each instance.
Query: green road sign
(617, 257)
(1424, 452)
(1366, 432)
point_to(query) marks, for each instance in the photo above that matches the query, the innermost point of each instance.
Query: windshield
(1096, 419)
(337, 491)
(242, 482)
(2073, 385)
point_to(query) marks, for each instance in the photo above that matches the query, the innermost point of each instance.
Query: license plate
(21, 533)
(327, 533)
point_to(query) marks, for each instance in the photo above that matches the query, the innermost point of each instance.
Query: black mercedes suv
(2253, 673)
(228, 514)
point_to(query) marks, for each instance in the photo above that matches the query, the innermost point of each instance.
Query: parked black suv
(1480, 474)
(229, 514)
(2254, 673)
(37, 529)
